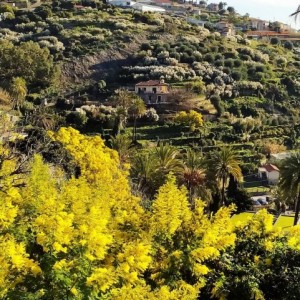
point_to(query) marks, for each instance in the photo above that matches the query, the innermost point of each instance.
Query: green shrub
(56, 28)
(175, 55)
(227, 70)
(236, 75)
(146, 46)
(208, 57)
(219, 63)
(218, 56)
(230, 54)
(245, 57)
(275, 41)
(34, 98)
(216, 102)
(229, 63)
(237, 63)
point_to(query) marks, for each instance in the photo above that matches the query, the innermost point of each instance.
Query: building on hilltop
(153, 91)
(258, 24)
(225, 28)
(285, 28)
(213, 7)
(147, 8)
(22, 4)
(121, 3)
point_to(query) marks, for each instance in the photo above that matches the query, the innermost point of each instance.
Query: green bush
(237, 63)
(275, 41)
(219, 63)
(218, 56)
(245, 57)
(216, 102)
(229, 63)
(175, 55)
(227, 70)
(146, 46)
(230, 54)
(208, 57)
(236, 75)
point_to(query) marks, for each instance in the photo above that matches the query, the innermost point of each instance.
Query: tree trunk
(297, 210)
(117, 125)
(223, 191)
(134, 131)
(191, 200)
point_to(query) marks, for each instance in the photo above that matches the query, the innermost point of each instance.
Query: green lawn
(163, 132)
(257, 189)
(242, 217)
(284, 222)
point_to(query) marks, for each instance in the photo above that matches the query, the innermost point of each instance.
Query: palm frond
(296, 13)
(5, 98)
(290, 174)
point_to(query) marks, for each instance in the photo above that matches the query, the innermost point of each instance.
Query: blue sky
(270, 10)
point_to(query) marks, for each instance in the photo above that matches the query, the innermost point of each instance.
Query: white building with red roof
(269, 172)
(153, 91)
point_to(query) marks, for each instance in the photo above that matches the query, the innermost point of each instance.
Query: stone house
(153, 91)
(225, 28)
(213, 7)
(258, 24)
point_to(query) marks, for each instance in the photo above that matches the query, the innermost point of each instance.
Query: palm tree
(290, 180)
(296, 13)
(194, 175)
(143, 169)
(120, 118)
(122, 144)
(18, 91)
(168, 160)
(5, 98)
(223, 164)
(149, 169)
(122, 100)
(136, 109)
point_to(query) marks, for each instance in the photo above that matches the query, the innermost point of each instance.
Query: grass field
(242, 217)
(284, 222)
(257, 189)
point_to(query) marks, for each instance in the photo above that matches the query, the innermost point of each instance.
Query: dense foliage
(37, 70)
(150, 219)
(89, 237)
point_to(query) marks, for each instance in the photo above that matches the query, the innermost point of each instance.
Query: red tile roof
(270, 168)
(151, 83)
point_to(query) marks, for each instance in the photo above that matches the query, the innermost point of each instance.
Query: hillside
(247, 90)
(148, 155)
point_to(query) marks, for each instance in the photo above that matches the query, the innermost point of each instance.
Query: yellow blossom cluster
(89, 237)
